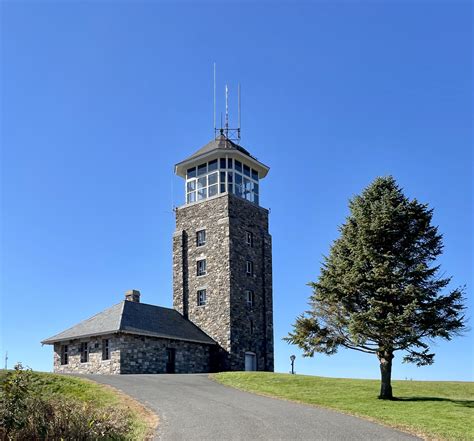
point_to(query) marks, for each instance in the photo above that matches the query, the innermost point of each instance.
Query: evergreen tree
(379, 290)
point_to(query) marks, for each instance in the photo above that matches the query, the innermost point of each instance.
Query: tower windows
(202, 169)
(64, 354)
(209, 179)
(201, 297)
(84, 352)
(249, 268)
(249, 238)
(105, 349)
(212, 165)
(238, 166)
(201, 238)
(249, 298)
(201, 267)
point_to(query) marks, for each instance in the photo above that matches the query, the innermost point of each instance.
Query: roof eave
(181, 167)
(52, 340)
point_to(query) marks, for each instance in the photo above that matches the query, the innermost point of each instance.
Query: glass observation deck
(221, 175)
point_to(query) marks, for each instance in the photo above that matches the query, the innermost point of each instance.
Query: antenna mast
(232, 134)
(214, 97)
(226, 111)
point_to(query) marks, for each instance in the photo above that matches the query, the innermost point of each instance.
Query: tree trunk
(385, 358)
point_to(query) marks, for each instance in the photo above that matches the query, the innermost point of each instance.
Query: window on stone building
(64, 354)
(249, 297)
(251, 326)
(105, 349)
(249, 238)
(201, 297)
(201, 267)
(84, 352)
(249, 267)
(201, 238)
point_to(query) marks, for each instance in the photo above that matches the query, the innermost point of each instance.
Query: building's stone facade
(226, 317)
(134, 354)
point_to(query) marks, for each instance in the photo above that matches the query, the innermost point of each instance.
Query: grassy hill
(434, 410)
(86, 399)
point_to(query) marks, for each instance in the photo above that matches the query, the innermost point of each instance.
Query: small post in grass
(292, 358)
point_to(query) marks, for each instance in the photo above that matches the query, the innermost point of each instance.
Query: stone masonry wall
(147, 355)
(131, 354)
(214, 317)
(252, 327)
(95, 365)
(226, 317)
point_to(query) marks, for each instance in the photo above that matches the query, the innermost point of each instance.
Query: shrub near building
(46, 406)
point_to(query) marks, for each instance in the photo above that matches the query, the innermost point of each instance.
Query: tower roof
(220, 145)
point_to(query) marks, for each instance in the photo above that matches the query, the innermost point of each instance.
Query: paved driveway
(193, 407)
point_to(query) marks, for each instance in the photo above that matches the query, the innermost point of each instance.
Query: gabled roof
(220, 145)
(135, 318)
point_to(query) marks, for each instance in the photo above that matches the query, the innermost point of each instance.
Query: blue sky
(100, 100)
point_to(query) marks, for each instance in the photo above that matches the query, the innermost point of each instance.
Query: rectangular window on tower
(249, 268)
(201, 297)
(249, 238)
(249, 298)
(201, 267)
(201, 238)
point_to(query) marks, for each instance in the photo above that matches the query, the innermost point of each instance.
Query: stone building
(222, 316)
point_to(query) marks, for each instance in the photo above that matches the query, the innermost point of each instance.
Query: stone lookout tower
(222, 255)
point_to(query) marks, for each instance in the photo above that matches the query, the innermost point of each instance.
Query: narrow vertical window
(105, 349)
(64, 354)
(223, 163)
(249, 298)
(201, 267)
(251, 326)
(249, 238)
(249, 267)
(201, 238)
(84, 352)
(201, 297)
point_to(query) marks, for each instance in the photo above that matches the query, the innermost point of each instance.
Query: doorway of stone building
(250, 361)
(170, 362)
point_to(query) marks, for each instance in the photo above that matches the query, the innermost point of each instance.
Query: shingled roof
(220, 143)
(135, 318)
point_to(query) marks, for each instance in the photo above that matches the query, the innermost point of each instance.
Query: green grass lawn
(431, 409)
(49, 385)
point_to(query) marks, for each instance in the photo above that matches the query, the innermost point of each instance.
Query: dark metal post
(292, 358)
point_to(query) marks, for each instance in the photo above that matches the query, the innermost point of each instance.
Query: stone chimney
(133, 296)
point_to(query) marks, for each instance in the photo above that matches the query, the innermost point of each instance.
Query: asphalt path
(193, 407)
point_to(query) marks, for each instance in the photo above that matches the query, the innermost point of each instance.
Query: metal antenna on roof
(238, 111)
(226, 111)
(232, 134)
(215, 98)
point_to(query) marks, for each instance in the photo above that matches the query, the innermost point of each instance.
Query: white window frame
(202, 301)
(249, 268)
(249, 238)
(251, 194)
(198, 273)
(250, 298)
(198, 243)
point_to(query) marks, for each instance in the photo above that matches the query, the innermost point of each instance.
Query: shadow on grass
(464, 403)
